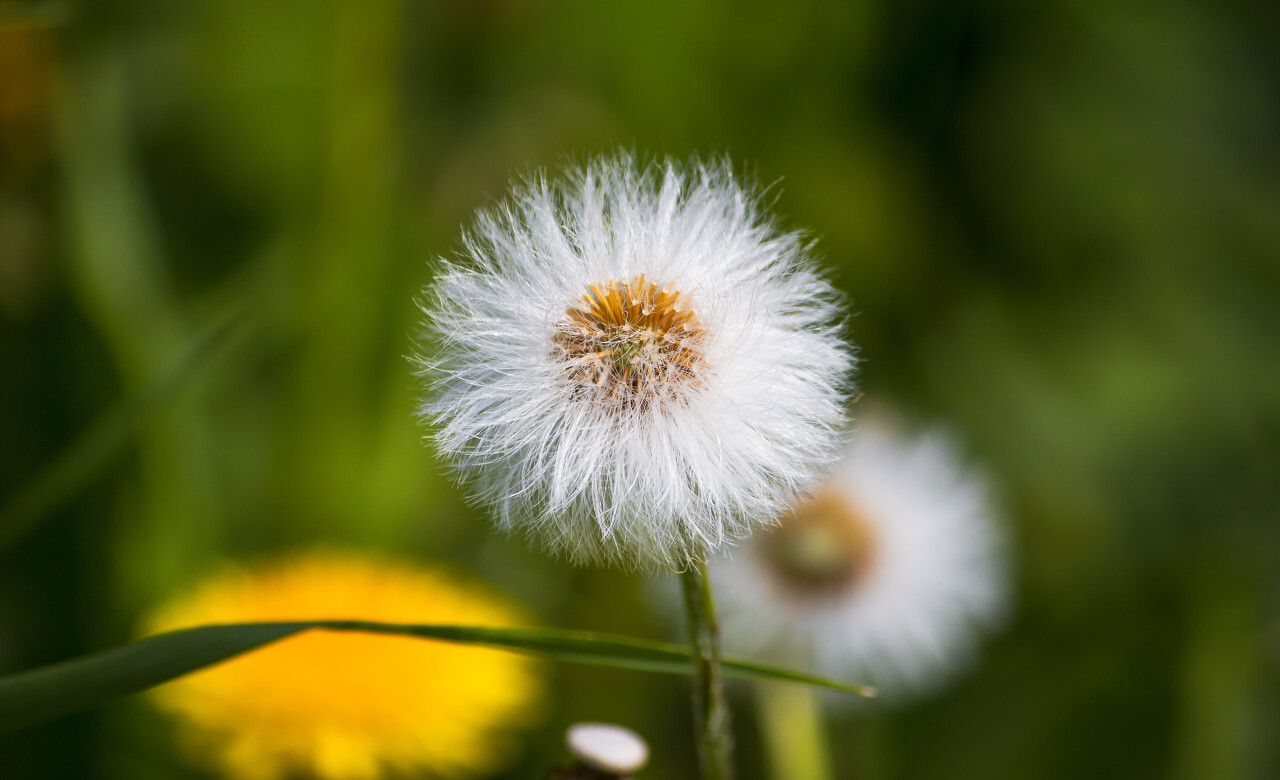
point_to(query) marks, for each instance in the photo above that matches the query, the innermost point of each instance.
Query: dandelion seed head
(632, 364)
(890, 575)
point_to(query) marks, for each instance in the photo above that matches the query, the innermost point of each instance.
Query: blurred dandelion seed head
(632, 364)
(889, 575)
(346, 706)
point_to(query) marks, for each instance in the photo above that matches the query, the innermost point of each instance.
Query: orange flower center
(823, 547)
(631, 343)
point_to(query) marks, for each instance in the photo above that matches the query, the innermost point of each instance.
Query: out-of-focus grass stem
(791, 726)
(1219, 671)
(98, 445)
(123, 283)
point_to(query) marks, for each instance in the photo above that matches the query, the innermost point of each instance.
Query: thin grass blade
(31, 697)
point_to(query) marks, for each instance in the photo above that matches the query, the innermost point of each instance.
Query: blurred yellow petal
(342, 706)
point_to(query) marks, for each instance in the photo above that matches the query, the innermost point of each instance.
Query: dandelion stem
(710, 710)
(794, 736)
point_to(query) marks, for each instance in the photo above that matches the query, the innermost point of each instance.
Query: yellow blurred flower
(343, 706)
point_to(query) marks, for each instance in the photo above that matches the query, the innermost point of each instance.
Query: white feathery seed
(633, 364)
(889, 576)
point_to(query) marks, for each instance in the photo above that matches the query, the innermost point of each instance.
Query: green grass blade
(30, 697)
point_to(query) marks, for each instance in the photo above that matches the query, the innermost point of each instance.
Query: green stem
(794, 737)
(710, 710)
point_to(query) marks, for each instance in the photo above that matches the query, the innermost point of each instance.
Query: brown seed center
(629, 344)
(822, 548)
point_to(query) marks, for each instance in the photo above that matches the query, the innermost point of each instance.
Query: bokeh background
(1058, 223)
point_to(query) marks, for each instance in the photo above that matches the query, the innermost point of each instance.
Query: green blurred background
(1059, 224)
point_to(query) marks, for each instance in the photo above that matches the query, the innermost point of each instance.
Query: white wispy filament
(633, 364)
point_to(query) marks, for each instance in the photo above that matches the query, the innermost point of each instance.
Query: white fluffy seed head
(632, 364)
(888, 576)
